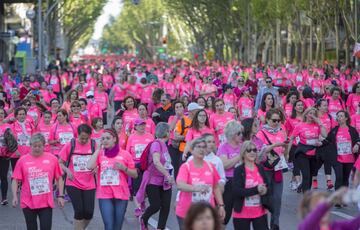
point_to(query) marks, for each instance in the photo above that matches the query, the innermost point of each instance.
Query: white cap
(89, 93)
(194, 106)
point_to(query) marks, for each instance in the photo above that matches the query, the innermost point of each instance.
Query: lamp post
(40, 36)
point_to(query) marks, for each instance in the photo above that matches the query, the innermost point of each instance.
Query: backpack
(144, 161)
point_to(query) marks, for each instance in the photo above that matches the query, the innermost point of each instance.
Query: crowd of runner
(122, 130)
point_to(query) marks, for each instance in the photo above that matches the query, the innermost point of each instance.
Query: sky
(112, 8)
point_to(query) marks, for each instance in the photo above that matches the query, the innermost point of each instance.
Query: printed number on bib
(222, 138)
(202, 196)
(139, 149)
(312, 141)
(39, 185)
(65, 137)
(282, 164)
(109, 177)
(80, 162)
(246, 112)
(252, 201)
(23, 139)
(344, 148)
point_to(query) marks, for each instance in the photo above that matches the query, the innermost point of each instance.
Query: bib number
(246, 112)
(344, 148)
(65, 137)
(23, 139)
(312, 142)
(109, 177)
(80, 162)
(202, 196)
(282, 164)
(139, 149)
(39, 185)
(252, 201)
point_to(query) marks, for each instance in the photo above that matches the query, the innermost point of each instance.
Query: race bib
(202, 196)
(281, 164)
(80, 162)
(252, 201)
(39, 185)
(109, 177)
(316, 90)
(65, 137)
(33, 114)
(53, 81)
(222, 138)
(344, 148)
(299, 78)
(2, 141)
(312, 142)
(46, 136)
(23, 139)
(139, 149)
(246, 112)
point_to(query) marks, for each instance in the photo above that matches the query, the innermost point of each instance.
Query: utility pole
(40, 36)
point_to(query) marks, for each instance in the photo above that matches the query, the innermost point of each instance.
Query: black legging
(176, 159)
(308, 166)
(296, 170)
(259, 223)
(322, 159)
(83, 202)
(228, 200)
(4, 169)
(45, 217)
(342, 174)
(159, 199)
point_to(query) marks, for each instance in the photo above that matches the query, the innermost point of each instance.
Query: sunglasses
(201, 146)
(251, 150)
(276, 120)
(268, 82)
(75, 106)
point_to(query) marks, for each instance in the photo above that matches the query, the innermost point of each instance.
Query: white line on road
(154, 223)
(343, 215)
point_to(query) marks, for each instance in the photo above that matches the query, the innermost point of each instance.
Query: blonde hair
(308, 200)
(308, 110)
(244, 147)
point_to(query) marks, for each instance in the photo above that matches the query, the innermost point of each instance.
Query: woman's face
(179, 109)
(83, 138)
(129, 103)
(210, 144)
(118, 125)
(202, 117)
(73, 96)
(269, 101)
(204, 221)
(100, 86)
(99, 124)
(21, 116)
(310, 116)
(61, 118)
(55, 105)
(255, 127)
(2, 114)
(299, 107)
(324, 107)
(292, 99)
(47, 118)
(250, 153)
(274, 121)
(209, 102)
(76, 108)
(201, 102)
(341, 118)
(233, 111)
(141, 128)
(37, 148)
(219, 106)
(142, 111)
(358, 88)
(335, 95)
(199, 150)
(82, 105)
(108, 140)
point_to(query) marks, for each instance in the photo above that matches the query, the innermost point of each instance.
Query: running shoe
(4, 202)
(294, 185)
(329, 184)
(315, 184)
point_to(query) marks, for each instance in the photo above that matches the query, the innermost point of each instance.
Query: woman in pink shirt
(72, 95)
(355, 119)
(118, 125)
(130, 113)
(335, 103)
(80, 181)
(228, 97)
(354, 99)
(36, 172)
(114, 166)
(54, 108)
(44, 128)
(75, 116)
(310, 133)
(102, 99)
(208, 89)
(61, 132)
(143, 114)
(291, 98)
(267, 102)
(4, 160)
(210, 105)
(246, 105)
(198, 181)
(251, 191)
(98, 128)
(118, 92)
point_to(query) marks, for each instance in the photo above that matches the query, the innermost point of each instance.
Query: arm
(159, 166)
(219, 200)
(240, 191)
(130, 172)
(66, 169)
(184, 187)
(230, 163)
(92, 162)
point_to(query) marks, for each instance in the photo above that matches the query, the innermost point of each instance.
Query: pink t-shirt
(111, 182)
(146, 94)
(83, 177)
(189, 174)
(129, 116)
(63, 133)
(327, 122)
(279, 137)
(102, 99)
(122, 140)
(245, 106)
(308, 135)
(119, 94)
(207, 88)
(37, 175)
(334, 107)
(229, 152)
(355, 122)
(252, 205)
(22, 132)
(193, 134)
(344, 146)
(137, 143)
(352, 103)
(219, 121)
(3, 148)
(96, 135)
(45, 131)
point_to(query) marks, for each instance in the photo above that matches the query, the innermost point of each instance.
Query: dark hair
(142, 104)
(83, 100)
(95, 120)
(247, 124)
(292, 93)
(319, 101)
(335, 89)
(197, 209)
(347, 116)
(129, 97)
(293, 111)
(212, 98)
(178, 102)
(54, 99)
(273, 111)
(99, 82)
(18, 109)
(263, 105)
(23, 102)
(64, 113)
(47, 112)
(201, 97)
(355, 86)
(114, 120)
(69, 94)
(84, 128)
(156, 95)
(195, 123)
(307, 93)
(113, 133)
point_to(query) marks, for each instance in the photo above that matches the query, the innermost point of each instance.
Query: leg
(4, 169)
(136, 184)
(240, 223)
(304, 166)
(277, 195)
(13, 162)
(77, 202)
(180, 222)
(228, 201)
(165, 196)
(338, 169)
(89, 206)
(120, 210)
(153, 194)
(107, 213)
(45, 217)
(30, 218)
(347, 167)
(260, 223)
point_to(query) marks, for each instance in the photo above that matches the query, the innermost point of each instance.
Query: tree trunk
(337, 33)
(264, 58)
(311, 44)
(289, 42)
(273, 48)
(278, 41)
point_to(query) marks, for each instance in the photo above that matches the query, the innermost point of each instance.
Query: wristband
(61, 196)
(221, 205)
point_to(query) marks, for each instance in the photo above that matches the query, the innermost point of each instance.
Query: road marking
(343, 215)
(154, 223)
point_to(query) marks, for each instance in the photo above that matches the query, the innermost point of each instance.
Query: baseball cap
(139, 121)
(194, 106)
(89, 94)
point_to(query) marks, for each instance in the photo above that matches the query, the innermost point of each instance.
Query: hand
(221, 212)
(94, 171)
(319, 143)
(356, 148)
(170, 180)
(120, 166)
(61, 202)
(262, 189)
(15, 201)
(69, 174)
